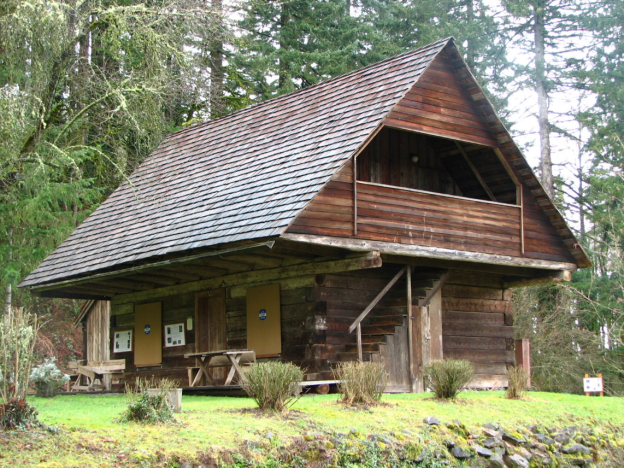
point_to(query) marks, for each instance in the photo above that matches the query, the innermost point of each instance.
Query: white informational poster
(123, 341)
(592, 384)
(174, 335)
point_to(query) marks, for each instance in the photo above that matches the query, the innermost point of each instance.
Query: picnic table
(225, 357)
(96, 371)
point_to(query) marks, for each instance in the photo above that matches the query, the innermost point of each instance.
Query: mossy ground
(89, 434)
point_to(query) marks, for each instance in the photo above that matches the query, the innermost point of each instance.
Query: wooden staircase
(384, 332)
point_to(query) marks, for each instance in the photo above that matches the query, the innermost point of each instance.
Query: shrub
(48, 378)
(17, 414)
(273, 385)
(361, 383)
(448, 377)
(18, 333)
(518, 379)
(146, 407)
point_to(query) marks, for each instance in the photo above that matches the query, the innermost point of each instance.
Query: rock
(421, 457)
(578, 461)
(405, 431)
(186, 465)
(500, 450)
(490, 426)
(562, 438)
(524, 453)
(431, 420)
(449, 444)
(251, 444)
(544, 439)
(482, 451)
(517, 461)
(269, 435)
(461, 453)
(492, 442)
(514, 439)
(492, 433)
(496, 461)
(576, 448)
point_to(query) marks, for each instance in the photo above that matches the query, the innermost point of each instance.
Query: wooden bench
(98, 374)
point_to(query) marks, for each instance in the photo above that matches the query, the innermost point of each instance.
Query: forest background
(88, 88)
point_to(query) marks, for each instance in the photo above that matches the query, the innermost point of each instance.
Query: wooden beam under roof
(151, 266)
(391, 248)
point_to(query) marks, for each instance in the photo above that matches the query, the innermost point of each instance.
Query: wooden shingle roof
(239, 177)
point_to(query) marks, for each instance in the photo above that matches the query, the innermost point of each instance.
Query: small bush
(518, 380)
(149, 408)
(273, 385)
(48, 378)
(361, 383)
(448, 377)
(17, 414)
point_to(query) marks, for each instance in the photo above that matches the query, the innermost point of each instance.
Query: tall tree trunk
(542, 98)
(217, 105)
(283, 66)
(470, 55)
(9, 291)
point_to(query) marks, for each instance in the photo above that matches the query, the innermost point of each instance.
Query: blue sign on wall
(148, 329)
(262, 314)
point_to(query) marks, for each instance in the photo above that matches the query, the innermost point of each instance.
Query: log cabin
(382, 215)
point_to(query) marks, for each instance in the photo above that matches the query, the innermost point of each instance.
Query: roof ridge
(308, 88)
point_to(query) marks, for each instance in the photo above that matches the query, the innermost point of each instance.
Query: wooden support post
(523, 357)
(359, 342)
(521, 220)
(354, 195)
(602, 391)
(475, 171)
(410, 330)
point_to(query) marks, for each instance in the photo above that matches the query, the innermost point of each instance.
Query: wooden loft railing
(417, 217)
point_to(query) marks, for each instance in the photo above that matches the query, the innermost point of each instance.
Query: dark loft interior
(415, 161)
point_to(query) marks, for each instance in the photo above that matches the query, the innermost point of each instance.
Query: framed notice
(123, 341)
(592, 384)
(174, 335)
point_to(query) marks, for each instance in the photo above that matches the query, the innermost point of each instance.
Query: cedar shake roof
(243, 176)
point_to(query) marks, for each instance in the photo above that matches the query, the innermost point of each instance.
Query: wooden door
(210, 333)
(148, 335)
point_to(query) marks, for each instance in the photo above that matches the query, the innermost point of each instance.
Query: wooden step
(346, 357)
(366, 347)
(378, 329)
(396, 320)
(381, 339)
(389, 311)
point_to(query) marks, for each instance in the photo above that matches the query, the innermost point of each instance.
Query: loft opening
(423, 162)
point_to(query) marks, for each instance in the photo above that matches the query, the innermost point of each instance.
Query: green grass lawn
(90, 436)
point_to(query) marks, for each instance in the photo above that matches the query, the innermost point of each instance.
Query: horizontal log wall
(298, 309)
(477, 325)
(541, 240)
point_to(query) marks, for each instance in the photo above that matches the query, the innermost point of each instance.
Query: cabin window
(264, 332)
(421, 162)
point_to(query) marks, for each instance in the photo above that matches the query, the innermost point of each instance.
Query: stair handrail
(357, 322)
